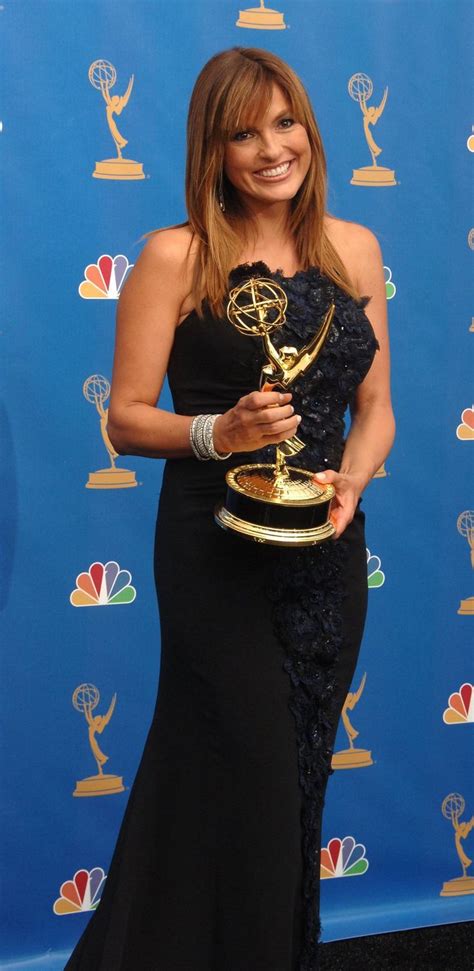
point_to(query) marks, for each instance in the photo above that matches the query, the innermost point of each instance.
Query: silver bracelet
(196, 440)
(202, 440)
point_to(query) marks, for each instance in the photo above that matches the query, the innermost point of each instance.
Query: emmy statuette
(465, 525)
(275, 503)
(96, 390)
(452, 808)
(86, 697)
(102, 76)
(360, 88)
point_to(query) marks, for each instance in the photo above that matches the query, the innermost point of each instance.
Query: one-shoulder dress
(216, 865)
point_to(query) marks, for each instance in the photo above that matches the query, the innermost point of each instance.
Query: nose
(269, 147)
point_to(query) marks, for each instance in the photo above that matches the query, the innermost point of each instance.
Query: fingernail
(320, 475)
(298, 418)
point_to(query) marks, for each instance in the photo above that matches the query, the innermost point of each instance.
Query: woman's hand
(258, 419)
(348, 491)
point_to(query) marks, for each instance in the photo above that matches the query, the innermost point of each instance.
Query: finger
(340, 519)
(263, 399)
(271, 416)
(281, 431)
(328, 476)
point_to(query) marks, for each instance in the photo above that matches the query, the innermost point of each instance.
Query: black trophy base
(281, 510)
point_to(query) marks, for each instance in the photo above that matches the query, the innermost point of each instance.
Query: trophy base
(351, 758)
(457, 887)
(118, 168)
(373, 175)
(466, 606)
(99, 785)
(288, 509)
(261, 18)
(111, 479)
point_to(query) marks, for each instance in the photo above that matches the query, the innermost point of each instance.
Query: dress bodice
(212, 365)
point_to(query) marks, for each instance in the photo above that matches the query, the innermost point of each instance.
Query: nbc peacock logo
(343, 858)
(465, 430)
(460, 710)
(103, 280)
(390, 288)
(375, 576)
(103, 585)
(80, 894)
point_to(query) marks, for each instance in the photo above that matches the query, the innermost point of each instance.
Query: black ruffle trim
(322, 395)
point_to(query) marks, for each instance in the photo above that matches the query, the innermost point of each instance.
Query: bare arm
(373, 425)
(147, 315)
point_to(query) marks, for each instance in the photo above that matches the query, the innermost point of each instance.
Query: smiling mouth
(276, 172)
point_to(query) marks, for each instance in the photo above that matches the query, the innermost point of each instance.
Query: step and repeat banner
(94, 108)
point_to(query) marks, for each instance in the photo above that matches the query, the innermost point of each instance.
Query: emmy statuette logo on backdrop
(86, 697)
(102, 76)
(452, 808)
(80, 894)
(261, 18)
(351, 758)
(360, 88)
(96, 390)
(465, 525)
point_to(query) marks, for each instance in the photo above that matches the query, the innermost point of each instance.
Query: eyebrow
(281, 114)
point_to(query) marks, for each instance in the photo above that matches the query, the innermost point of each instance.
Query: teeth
(280, 170)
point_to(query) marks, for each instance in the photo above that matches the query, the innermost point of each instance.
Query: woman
(216, 867)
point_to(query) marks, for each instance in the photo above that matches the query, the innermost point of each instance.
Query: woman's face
(268, 162)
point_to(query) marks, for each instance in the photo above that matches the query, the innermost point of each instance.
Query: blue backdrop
(59, 220)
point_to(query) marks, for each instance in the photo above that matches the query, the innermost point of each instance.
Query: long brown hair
(232, 91)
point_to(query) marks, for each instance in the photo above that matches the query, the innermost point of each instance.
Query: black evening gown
(216, 866)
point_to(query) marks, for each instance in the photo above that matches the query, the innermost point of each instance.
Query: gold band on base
(270, 534)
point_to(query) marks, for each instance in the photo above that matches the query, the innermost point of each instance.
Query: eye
(287, 122)
(241, 136)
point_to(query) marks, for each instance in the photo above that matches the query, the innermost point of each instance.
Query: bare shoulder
(170, 248)
(358, 248)
(162, 273)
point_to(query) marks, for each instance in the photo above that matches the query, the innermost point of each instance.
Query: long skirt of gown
(208, 873)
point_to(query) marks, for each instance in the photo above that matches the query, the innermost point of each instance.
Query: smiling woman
(276, 155)
(217, 862)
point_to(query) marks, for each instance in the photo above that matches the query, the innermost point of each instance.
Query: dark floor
(448, 947)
